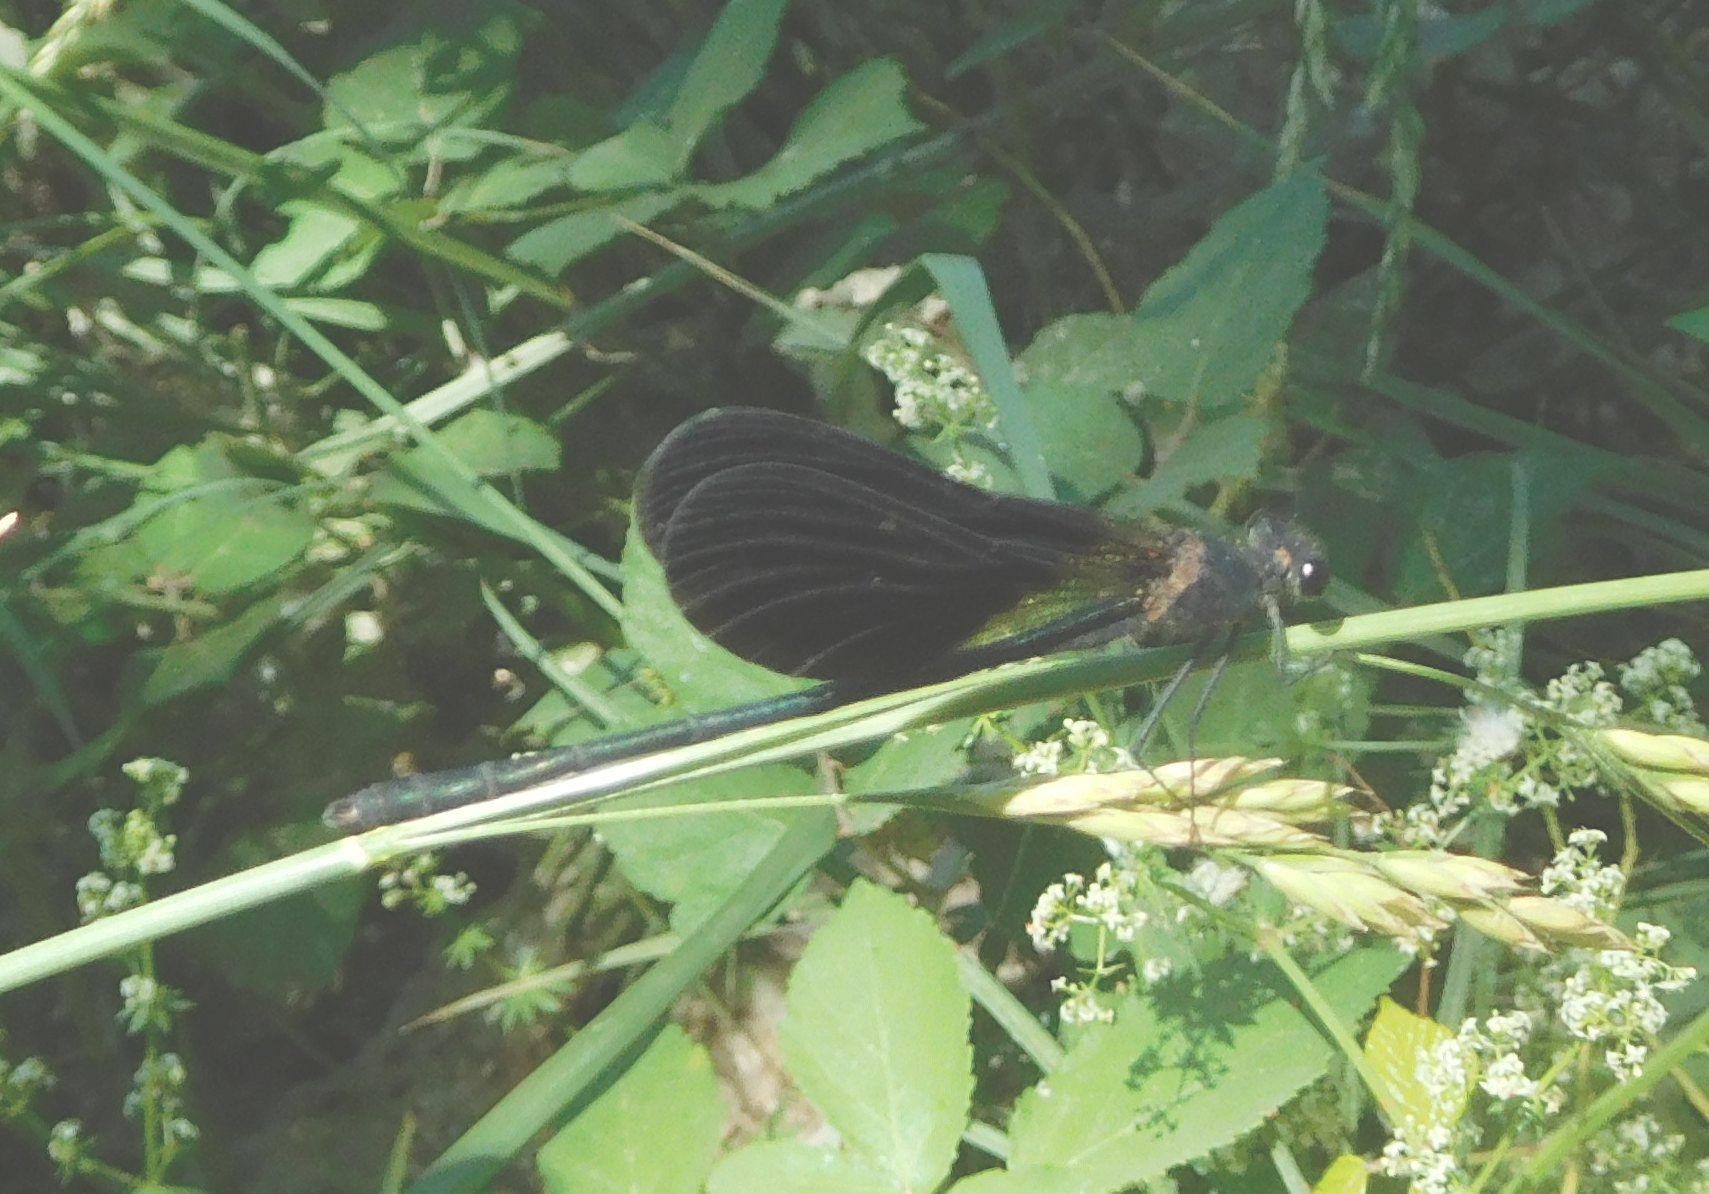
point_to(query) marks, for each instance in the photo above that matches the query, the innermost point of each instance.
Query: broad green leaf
(457, 68)
(211, 658)
(324, 249)
(1347, 1176)
(211, 512)
(702, 673)
(1440, 34)
(1398, 1043)
(557, 244)
(1209, 327)
(495, 443)
(793, 1167)
(693, 862)
(223, 545)
(1464, 511)
(492, 443)
(916, 759)
(289, 949)
(1029, 21)
(876, 1035)
(1251, 711)
(642, 155)
(615, 1146)
(1091, 441)
(1549, 12)
(1692, 323)
(508, 183)
(1045, 1179)
(856, 114)
(729, 64)
(1225, 449)
(1179, 1073)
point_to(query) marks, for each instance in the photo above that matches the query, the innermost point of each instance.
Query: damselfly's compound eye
(1311, 576)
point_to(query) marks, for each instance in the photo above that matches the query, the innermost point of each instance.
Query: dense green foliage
(331, 336)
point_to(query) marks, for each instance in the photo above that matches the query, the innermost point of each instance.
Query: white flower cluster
(1080, 746)
(1040, 758)
(1121, 899)
(1115, 901)
(1491, 731)
(1508, 762)
(159, 1084)
(1498, 1044)
(419, 883)
(1586, 699)
(1576, 877)
(1081, 1003)
(1632, 1155)
(1214, 882)
(99, 894)
(20, 1083)
(147, 1004)
(932, 387)
(133, 842)
(1432, 1170)
(66, 1145)
(1655, 681)
(1611, 998)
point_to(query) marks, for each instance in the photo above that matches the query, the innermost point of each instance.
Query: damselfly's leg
(1155, 714)
(1278, 636)
(1199, 706)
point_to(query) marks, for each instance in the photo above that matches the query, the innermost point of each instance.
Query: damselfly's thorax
(1292, 562)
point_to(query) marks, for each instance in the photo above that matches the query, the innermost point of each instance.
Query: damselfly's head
(1292, 562)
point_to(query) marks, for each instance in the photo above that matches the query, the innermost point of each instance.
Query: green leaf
(642, 155)
(1398, 1043)
(1347, 1176)
(221, 540)
(1090, 440)
(1032, 19)
(324, 248)
(211, 658)
(1225, 449)
(729, 64)
(289, 949)
(916, 759)
(961, 282)
(492, 443)
(701, 672)
(1692, 323)
(856, 114)
(876, 1035)
(557, 244)
(457, 69)
(793, 1167)
(693, 862)
(496, 443)
(1463, 512)
(1179, 1074)
(1209, 327)
(1038, 1179)
(1549, 12)
(1440, 35)
(614, 1146)
(509, 183)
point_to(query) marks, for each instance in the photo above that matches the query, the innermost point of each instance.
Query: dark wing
(812, 552)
